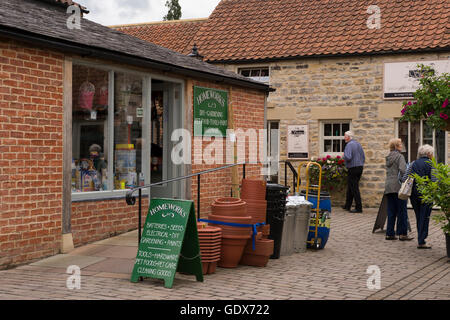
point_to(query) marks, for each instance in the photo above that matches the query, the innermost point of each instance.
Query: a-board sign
(169, 242)
(210, 112)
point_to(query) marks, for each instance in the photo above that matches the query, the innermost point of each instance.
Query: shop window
(415, 134)
(128, 123)
(90, 129)
(332, 137)
(257, 74)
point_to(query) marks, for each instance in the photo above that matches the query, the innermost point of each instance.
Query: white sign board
(401, 79)
(298, 142)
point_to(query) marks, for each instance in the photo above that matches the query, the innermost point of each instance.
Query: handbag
(405, 190)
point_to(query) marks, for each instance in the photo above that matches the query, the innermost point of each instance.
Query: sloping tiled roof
(67, 3)
(174, 35)
(46, 25)
(246, 30)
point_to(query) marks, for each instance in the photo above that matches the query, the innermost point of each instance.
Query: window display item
(89, 176)
(125, 161)
(102, 97)
(86, 98)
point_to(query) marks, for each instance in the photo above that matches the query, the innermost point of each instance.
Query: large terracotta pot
(232, 230)
(232, 250)
(253, 189)
(260, 256)
(257, 209)
(229, 207)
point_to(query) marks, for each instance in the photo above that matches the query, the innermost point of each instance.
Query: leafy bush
(437, 192)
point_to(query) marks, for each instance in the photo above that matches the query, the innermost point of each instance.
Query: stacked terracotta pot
(254, 193)
(234, 239)
(210, 240)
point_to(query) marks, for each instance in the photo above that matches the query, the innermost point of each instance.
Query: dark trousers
(396, 212)
(354, 175)
(423, 212)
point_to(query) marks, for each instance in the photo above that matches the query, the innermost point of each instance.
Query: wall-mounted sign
(298, 142)
(210, 112)
(169, 242)
(401, 79)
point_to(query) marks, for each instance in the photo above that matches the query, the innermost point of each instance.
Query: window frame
(147, 78)
(322, 136)
(251, 68)
(397, 126)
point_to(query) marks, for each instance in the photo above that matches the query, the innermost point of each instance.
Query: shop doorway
(166, 116)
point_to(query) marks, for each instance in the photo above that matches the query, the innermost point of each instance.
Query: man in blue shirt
(354, 161)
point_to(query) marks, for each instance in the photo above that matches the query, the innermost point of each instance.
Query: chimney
(195, 53)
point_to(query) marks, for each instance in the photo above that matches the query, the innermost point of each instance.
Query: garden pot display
(232, 230)
(210, 240)
(257, 209)
(260, 256)
(232, 250)
(229, 207)
(253, 189)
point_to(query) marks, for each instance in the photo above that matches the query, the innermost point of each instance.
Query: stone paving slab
(338, 272)
(66, 260)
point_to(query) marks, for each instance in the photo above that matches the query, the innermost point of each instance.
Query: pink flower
(404, 110)
(328, 157)
(430, 113)
(409, 103)
(445, 104)
(444, 116)
(338, 157)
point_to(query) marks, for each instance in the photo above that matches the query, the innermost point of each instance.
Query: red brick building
(66, 94)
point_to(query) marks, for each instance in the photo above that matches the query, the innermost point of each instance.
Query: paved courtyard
(337, 272)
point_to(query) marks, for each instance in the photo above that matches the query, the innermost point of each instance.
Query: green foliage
(174, 10)
(437, 192)
(334, 173)
(431, 99)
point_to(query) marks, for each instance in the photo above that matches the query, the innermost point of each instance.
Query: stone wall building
(327, 61)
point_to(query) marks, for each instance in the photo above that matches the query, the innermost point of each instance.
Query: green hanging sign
(210, 112)
(169, 242)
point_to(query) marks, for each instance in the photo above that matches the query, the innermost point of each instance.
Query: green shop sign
(210, 112)
(169, 242)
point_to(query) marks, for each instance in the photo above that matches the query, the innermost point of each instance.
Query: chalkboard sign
(169, 242)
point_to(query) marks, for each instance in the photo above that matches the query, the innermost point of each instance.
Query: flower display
(334, 173)
(431, 100)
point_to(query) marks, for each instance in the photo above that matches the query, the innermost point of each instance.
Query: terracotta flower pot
(263, 247)
(265, 229)
(212, 267)
(254, 260)
(232, 250)
(253, 189)
(205, 266)
(232, 230)
(229, 207)
(257, 209)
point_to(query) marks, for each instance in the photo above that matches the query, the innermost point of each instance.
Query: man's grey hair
(350, 134)
(425, 150)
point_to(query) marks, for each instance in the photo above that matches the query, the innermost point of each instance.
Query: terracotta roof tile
(174, 35)
(261, 29)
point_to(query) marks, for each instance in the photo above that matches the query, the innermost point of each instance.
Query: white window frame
(147, 78)
(260, 79)
(396, 127)
(323, 138)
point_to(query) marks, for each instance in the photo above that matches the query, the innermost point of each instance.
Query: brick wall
(30, 152)
(31, 164)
